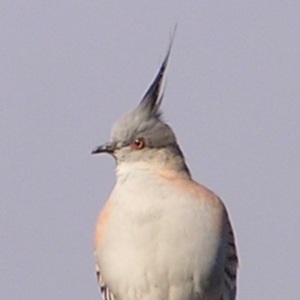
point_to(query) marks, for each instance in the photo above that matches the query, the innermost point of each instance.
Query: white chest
(158, 240)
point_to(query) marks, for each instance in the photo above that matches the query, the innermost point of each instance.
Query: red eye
(138, 144)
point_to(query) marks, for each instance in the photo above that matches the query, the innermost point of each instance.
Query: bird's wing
(231, 264)
(106, 294)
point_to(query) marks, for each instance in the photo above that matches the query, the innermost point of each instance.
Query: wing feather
(231, 264)
(105, 292)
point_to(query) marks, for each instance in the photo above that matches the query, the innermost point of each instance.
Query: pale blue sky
(69, 69)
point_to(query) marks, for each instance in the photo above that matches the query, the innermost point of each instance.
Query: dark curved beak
(105, 148)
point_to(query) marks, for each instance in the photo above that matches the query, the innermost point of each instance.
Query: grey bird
(160, 235)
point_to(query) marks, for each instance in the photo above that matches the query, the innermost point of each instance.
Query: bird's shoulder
(101, 221)
(186, 185)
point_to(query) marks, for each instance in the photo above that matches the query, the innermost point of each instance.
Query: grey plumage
(146, 119)
(146, 122)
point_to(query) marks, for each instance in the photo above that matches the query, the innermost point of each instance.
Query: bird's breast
(156, 238)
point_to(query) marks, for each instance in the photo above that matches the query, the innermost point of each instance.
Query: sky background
(69, 69)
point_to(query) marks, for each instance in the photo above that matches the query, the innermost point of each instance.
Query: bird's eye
(138, 144)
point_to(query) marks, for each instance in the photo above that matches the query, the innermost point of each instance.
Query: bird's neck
(163, 165)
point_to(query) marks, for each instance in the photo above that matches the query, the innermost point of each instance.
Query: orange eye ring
(138, 144)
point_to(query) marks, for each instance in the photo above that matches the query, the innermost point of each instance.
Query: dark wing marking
(231, 264)
(106, 294)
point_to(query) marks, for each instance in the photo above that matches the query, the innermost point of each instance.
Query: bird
(160, 235)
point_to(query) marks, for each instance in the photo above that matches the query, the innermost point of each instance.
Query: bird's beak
(105, 148)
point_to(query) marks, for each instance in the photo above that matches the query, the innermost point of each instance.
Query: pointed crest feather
(146, 118)
(153, 97)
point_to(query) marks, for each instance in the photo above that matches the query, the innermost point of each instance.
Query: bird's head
(142, 136)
